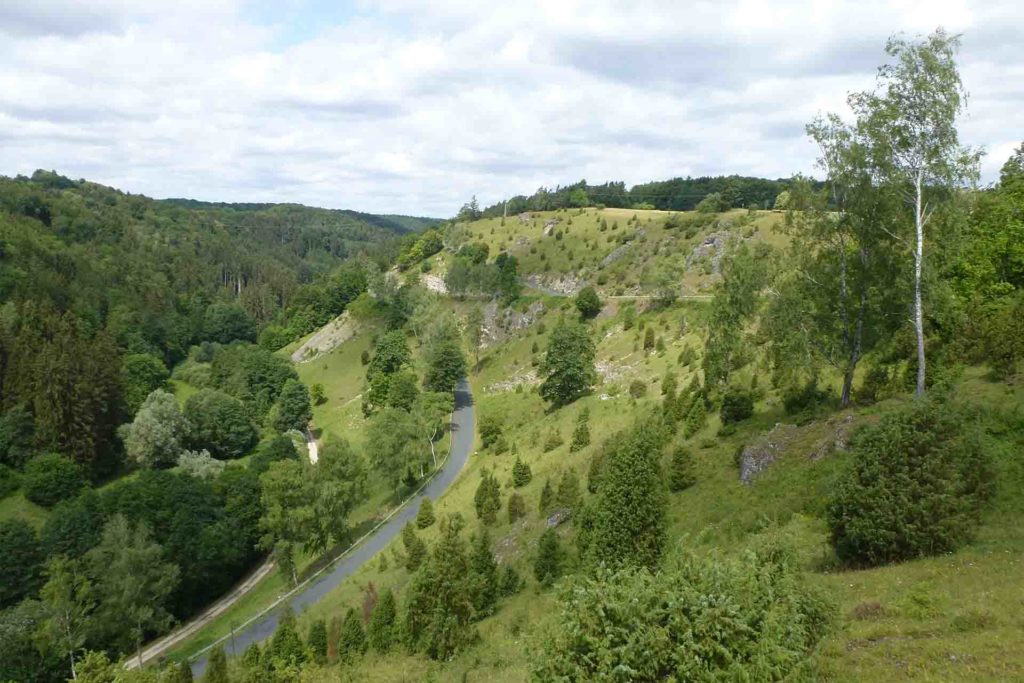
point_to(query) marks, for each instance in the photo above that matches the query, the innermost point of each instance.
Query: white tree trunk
(918, 258)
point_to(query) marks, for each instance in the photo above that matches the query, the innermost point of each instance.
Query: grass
(16, 506)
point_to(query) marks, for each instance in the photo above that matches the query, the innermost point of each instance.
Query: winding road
(463, 436)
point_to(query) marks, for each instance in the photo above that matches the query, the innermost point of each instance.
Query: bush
(553, 440)
(749, 619)
(737, 405)
(638, 388)
(10, 481)
(588, 303)
(914, 487)
(521, 473)
(52, 478)
(219, 424)
(490, 430)
(804, 400)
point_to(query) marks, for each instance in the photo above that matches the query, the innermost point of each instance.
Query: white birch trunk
(918, 258)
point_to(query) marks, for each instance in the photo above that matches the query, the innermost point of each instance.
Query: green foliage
(317, 641)
(10, 481)
(217, 666)
(439, 599)
(568, 366)
(737, 405)
(157, 435)
(736, 300)
(380, 633)
(133, 581)
(251, 374)
(516, 508)
(553, 440)
(286, 649)
(680, 470)
(21, 561)
(510, 581)
(521, 473)
(51, 478)
(487, 499)
(568, 496)
(648, 339)
(415, 548)
(276, 448)
(490, 429)
(446, 363)
(317, 394)
(352, 640)
(712, 203)
(547, 498)
(629, 514)
(219, 424)
(483, 575)
(293, 409)
(21, 657)
(916, 482)
(696, 417)
(804, 399)
(17, 436)
(226, 323)
(746, 619)
(588, 303)
(638, 387)
(549, 563)
(425, 516)
(141, 374)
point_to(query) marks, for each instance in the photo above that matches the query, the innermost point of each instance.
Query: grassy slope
(948, 618)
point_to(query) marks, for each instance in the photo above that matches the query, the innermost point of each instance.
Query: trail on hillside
(463, 426)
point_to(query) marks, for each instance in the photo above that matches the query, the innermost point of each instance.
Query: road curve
(463, 437)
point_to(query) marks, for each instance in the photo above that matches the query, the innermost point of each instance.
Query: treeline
(677, 194)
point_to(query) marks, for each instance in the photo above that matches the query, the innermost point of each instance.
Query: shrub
(638, 388)
(554, 440)
(804, 400)
(10, 481)
(51, 478)
(490, 430)
(588, 303)
(749, 619)
(516, 508)
(914, 487)
(521, 473)
(680, 470)
(737, 405)
(547, 567)
(425, 517)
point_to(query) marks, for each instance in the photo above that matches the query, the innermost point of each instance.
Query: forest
(729, 428)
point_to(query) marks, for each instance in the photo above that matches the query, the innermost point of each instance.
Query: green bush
(750, 619)
(737, 405)
(10, 480)
(638, 388)
(914, 487)
(51, 478)
(805, 400)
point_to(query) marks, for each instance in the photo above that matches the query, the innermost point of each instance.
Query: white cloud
(413, 106)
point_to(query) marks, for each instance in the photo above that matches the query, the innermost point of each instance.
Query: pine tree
(547, 498)
(182, 672)
(628, 519)
(696, 417)
(648, 338)
(568, 495)
(510, 581)
(286, 648)
(317, 641)
(381, 631)
(352, 641)
(548, 565)
(252, 662)
(488, 498)
(415, 548)
(581, 435)
(669, 384)
(483, 575)
(217, 666)
(680, 471)
(425, 517)
(333, 636)
(516, 508)
(521, 473)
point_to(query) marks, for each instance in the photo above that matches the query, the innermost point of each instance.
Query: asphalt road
(463, 437)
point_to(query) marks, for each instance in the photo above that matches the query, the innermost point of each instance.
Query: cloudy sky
(411, 107)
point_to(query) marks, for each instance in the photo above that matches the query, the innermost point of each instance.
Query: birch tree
(910, 120)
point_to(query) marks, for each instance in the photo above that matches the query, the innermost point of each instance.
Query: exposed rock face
(434, 283)
(336, 332)
(526, 378)
(757, 457)
(713, 246)
(558, 517)
(615, 254)
(567, 285)
(499, 323)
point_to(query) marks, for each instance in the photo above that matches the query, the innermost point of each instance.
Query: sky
(396, 106)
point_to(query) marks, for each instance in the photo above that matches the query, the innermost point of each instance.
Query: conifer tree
(516, 508)
(483, 575)
(415, 548)
(217, 666)
(333, 636)
(628, 519)
(352, 641)
(181, 672)
(510, 581)
(381, 631)
(317, 641)
(252, 662)
(547, 498)
(581, 435)
(548, 565)
(425, 517)
(521, 473)
(488, 498)
(696, 417)
(568, 495)
(286, 648)
(680, 471)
